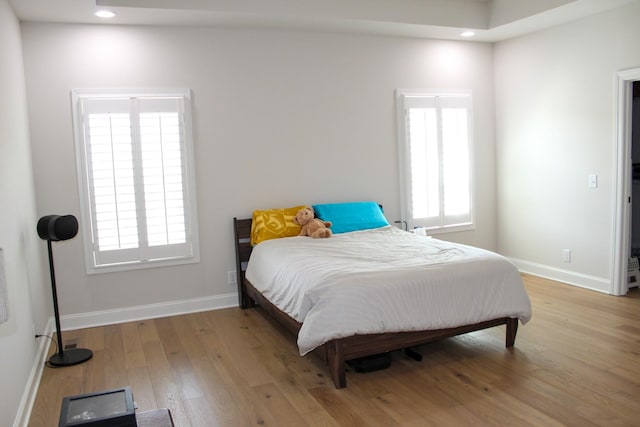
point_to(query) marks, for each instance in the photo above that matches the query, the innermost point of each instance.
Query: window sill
(114, 268)
(450, 229)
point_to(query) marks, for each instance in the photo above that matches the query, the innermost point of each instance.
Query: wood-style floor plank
(576, 363)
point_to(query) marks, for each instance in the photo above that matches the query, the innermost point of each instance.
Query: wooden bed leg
(247, 302)
(335, 362)
(512, 330)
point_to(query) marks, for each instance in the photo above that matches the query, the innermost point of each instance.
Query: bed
(372, 288)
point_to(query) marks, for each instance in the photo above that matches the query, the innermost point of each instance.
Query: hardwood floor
(576, 363)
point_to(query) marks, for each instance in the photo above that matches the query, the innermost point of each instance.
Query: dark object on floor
(371, 363)
(109, 408)
(412, 354)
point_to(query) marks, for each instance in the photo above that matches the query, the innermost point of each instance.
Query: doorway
(622, 233)
(635, 172)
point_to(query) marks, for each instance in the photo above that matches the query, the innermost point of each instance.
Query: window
(135, 167)
(435, 151)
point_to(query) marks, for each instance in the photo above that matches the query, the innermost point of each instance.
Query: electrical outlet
(232, 277)
(566, 255)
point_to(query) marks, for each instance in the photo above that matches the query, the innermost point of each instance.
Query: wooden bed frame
(336, 352)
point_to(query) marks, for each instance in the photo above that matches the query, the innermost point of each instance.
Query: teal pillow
(351, 216)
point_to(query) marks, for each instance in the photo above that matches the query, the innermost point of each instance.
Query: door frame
(622, 192)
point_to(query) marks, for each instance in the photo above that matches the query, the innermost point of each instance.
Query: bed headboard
(242, 241)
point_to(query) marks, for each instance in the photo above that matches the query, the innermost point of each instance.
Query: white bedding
(383, 280)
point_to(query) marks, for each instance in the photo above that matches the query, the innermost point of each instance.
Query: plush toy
(312, 227)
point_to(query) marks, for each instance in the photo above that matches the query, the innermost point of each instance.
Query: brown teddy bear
(312, 227)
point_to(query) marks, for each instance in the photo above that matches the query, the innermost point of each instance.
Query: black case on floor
(371, 363)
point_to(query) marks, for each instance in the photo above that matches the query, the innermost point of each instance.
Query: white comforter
(383, 280)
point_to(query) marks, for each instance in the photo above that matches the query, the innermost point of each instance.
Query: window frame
(192, 255)
(405, 161)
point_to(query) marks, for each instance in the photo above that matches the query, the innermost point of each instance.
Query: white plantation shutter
(163, 182)
(435, 148)
(135, 164)
(424, 159)
(455, 160)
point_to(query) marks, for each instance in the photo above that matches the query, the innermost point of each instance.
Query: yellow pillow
(273, 224)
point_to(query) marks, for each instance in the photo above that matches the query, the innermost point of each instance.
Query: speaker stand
(71, 356)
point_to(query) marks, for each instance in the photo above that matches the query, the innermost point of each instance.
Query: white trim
(114, 268)
(401, 131)
(149, 311)
(450, 228)
(33, 383)
(586, 281)
(622, 190)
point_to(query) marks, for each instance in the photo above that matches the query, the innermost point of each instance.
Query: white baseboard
(150, 311)
(33, 382)
(566, 276)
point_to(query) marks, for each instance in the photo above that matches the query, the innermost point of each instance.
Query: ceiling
(491, 20)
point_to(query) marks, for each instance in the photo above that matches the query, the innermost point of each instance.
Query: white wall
(280, 118)
(555, 115)
(29, 302)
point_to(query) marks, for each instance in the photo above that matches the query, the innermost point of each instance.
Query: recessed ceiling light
(105, 14)
(467, 34)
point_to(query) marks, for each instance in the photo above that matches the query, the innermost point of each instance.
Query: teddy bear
(312, 227)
